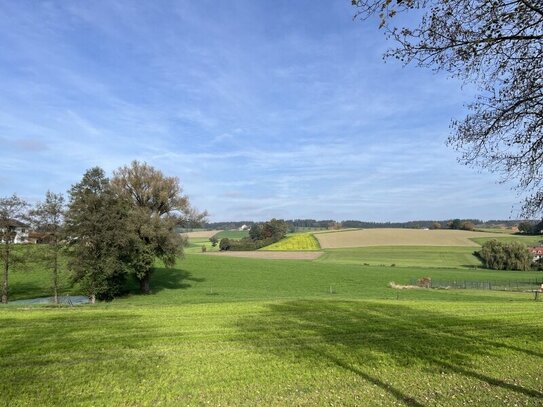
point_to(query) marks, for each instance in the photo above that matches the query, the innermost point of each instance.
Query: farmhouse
(20, 230)
(537, 252)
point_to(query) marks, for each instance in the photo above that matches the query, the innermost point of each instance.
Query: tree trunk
(55, 274)
(6, 269)
(145, 284)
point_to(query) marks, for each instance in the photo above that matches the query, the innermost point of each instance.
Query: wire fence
(500, 285)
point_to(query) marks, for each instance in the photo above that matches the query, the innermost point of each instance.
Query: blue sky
(262, 109)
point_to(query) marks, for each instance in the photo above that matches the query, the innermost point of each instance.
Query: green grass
(298, 241)
(502, 231)
(527, 240)
(195, 245)
(232, 234)
(405, 256)
(31, 278)
(231, 331)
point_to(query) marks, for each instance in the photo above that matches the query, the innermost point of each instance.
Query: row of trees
(109, 229)
(260, 235)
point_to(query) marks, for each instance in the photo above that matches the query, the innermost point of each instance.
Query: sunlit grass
(231, 331)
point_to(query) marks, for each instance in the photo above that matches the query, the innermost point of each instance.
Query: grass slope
(230, 331)
(405, 256)
(527, 240)
(232, 234)
(298, 241)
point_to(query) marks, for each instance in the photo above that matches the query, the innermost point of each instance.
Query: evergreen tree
(98, 236)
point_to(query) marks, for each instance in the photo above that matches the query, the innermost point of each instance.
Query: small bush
(425, 282)
(224, 244)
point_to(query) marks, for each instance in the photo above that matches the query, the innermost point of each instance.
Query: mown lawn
(230, 331)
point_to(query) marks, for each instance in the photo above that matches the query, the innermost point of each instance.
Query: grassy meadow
(232, 331)
(527, 240)
(232, 234)
(405, 256)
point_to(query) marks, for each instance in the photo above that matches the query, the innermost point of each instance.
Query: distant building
(244, 227)
(537, 252)
(20, 229)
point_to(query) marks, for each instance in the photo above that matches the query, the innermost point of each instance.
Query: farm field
(202, 234)
(232, 234)
(503, 231)
(405, 256)
(399, 237)
(298, 241)
(221, 330)
(270, 254)
(527, 240)
(195, 245)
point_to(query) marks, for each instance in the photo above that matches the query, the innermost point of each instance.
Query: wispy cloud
(282, 110)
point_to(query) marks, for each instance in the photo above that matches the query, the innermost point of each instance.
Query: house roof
(15, 223)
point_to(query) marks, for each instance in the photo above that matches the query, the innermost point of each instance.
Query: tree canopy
(157, 207)
(497, 45)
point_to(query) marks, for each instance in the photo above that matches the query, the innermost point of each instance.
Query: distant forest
(332, 224)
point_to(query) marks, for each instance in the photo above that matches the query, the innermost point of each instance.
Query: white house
(20, 229)
(244, 227)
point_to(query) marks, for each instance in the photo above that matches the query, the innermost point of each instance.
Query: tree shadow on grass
(167, 279)
(351, 335)
(27, 289)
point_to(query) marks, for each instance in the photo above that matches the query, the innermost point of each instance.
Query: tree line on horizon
(109, 229)
(525, 226)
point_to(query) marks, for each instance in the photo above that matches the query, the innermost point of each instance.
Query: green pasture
(232, 234)
(405, 256)
(527, 240)
(194, 245)
(231, 331)
(503, 231)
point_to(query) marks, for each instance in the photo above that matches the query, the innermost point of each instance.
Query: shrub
(505, 256)
(425, 282)
(224, 244)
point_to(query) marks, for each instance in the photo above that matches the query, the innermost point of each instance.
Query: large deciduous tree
(158, 207)
(498, 45)
(13, 210)
(98, 236)
(48, 219)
